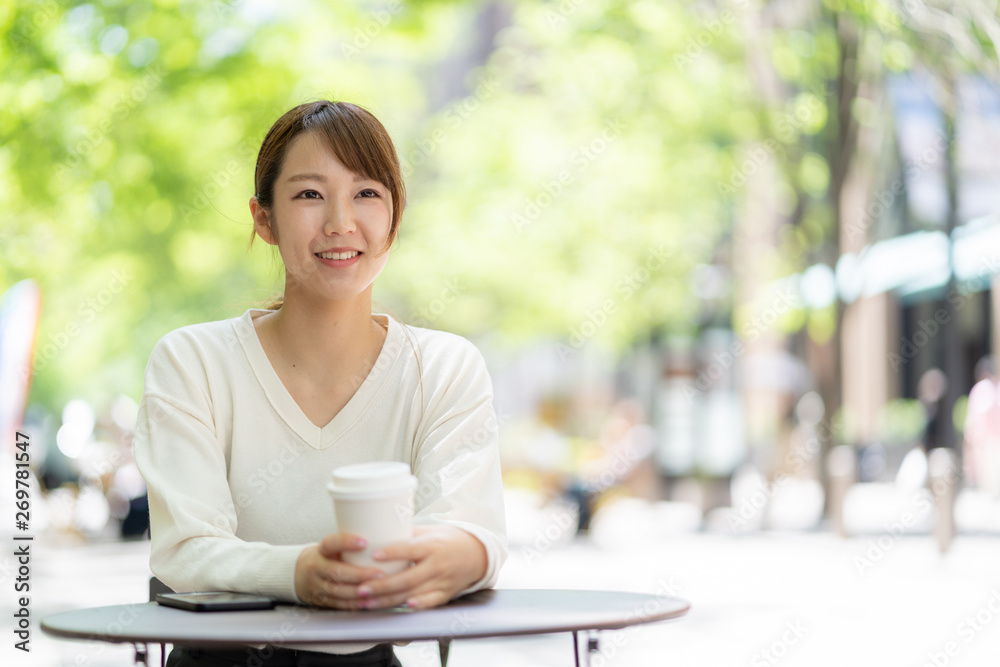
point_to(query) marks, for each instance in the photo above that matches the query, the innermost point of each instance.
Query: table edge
(672, 615)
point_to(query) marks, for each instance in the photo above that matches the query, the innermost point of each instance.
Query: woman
(242, 420)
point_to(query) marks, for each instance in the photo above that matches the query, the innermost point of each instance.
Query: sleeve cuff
(276, 575)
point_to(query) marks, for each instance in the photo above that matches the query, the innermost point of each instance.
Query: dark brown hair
(354, 135)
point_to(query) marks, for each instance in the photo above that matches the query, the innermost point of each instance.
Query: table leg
(163, 654)
(140, 654)
(576, 650)
(443, 646)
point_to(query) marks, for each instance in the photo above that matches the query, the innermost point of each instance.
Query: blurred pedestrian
(942, 465)
(931, 392)
(982, 430)
(623, 459)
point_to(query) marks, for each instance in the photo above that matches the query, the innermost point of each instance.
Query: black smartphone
(215, 601)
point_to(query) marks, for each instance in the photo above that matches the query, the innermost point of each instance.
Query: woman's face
(323, 212)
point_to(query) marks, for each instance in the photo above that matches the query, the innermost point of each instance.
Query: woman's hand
(323, 580)
(447, 560)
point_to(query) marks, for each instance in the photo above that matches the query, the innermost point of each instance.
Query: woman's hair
(354, 135)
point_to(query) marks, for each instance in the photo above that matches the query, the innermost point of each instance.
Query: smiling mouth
(337, 255)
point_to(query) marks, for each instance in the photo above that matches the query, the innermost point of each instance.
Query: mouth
(338, 255)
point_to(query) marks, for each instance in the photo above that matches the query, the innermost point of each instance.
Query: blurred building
(918, 281)
(915, 288)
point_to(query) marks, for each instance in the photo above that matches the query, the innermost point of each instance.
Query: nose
(339, 218)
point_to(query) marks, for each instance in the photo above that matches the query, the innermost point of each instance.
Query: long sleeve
(193, 520)
(457, 459)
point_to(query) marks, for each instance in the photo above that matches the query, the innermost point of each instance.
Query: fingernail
(362, 542)
(365, 590)
(378, 554)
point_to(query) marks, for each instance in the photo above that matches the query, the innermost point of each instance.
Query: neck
(326, 336)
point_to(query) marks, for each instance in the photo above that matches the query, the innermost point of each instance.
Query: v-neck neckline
(284, 404)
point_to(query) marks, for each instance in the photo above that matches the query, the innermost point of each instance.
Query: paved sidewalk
(758, 600)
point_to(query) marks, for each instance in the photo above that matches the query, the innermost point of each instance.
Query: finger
(331, 545)
(414, 550)
(385, 601)
(336, 591)
(427, 600)
(328, 595)
(423, 578)
(333, 590)
(406, 580)
(324, 594)
(340, 572)
(415, 594)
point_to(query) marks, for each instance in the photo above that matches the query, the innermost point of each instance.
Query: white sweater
(237, 473)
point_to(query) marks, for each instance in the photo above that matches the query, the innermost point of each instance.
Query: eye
(370, 193)
(308, 194)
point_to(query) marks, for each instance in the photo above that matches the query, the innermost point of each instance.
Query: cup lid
(371, 478)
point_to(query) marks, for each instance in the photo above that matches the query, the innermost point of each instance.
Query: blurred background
(732, 265)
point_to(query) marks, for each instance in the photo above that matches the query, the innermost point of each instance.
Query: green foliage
(592, 161)
(129, 133)
(122, 153)
(612, 125)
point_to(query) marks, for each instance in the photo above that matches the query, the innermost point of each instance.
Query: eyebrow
(312, 176)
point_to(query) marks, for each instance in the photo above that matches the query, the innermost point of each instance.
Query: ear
(262, 222)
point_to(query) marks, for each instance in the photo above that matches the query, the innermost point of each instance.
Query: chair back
(155, 587)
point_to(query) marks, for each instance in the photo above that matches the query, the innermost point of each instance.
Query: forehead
(310, 152)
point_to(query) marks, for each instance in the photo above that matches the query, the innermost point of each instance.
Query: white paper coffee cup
(374, 501)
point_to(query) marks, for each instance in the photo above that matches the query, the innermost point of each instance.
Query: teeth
(338, 255)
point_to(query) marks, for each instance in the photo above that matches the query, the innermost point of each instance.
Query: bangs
(355, 142)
